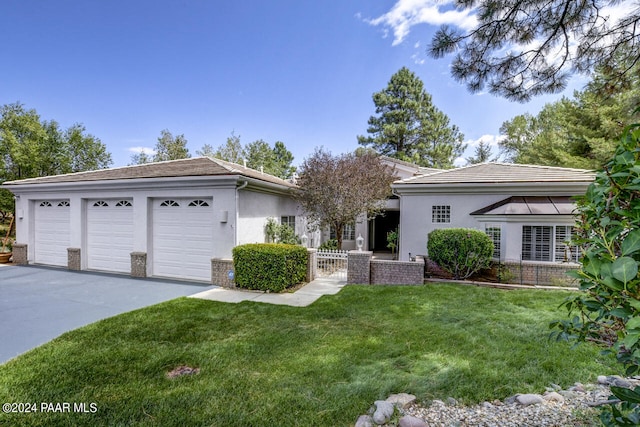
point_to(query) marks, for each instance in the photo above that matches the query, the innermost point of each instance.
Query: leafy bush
(269, 266)
(607, 312)
(280, 233)
(460, 251)
(331, 244)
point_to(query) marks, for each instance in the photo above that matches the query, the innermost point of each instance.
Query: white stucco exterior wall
(255, 207)
(415, 217)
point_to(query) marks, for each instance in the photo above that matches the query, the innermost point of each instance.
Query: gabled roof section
(530, 205)
(495, 173)
(198, 166)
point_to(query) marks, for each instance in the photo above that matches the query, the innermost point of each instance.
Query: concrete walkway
(300, 298)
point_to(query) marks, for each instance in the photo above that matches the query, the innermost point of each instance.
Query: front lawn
(323, 365)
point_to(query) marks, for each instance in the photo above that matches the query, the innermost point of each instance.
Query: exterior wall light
(304, 240)
(360, 242)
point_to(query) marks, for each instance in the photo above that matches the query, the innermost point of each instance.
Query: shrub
(331, 244)
(607, 312)
(460, 251)
(269, 266)
(280, 233)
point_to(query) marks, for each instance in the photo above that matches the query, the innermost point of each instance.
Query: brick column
(138, 264)
(73, 259)
(358, 272)
(20, 254)
(312, 264)
(222, 272)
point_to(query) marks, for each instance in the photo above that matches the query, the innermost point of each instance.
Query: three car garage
(166, 219)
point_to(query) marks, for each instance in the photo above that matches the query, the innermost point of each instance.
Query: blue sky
(302, 72)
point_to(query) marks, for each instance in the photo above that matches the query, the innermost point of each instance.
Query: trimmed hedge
(269, 266)
(460, 251)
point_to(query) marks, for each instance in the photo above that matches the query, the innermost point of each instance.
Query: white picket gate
(332, 263)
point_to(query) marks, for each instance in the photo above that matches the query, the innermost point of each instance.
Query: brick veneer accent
(138, 264)
(73, 259)
(541, 273)
(312, 265)
(358, 272)
(20, 254)
(387, 272)
(220, 268)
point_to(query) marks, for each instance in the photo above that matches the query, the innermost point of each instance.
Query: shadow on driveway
(38, 304)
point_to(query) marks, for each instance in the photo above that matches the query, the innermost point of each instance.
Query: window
(494, 232)
(63, 204)
(101, 204)
(169, 203)
(564, 252)
(45, 204)
(536, 243)
(441, 214)
(348, 232)
(198, 203)
(123, 203)
(288, 220)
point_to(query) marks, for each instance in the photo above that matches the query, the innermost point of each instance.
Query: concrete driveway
(38, 304)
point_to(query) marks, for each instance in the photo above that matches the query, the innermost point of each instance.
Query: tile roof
(420, 170)
(530, 205)
(198, 166)
(502, 173)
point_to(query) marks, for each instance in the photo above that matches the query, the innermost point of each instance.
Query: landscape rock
(451, 401)
(364, 421)
(621, 382)
(384, 412)
(529, 399)
(553, 397)
(410, 421)
(401, 400)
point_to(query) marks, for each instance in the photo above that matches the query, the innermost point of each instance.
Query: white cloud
(140, 150)
(491, 140)
(408, 13)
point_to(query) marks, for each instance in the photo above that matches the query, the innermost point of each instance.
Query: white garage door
(51, 237)
(109, 235)
(183, 238)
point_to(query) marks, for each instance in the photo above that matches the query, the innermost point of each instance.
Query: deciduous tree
(335, 190)
(169, 147)
(409, 127)
(258, 155)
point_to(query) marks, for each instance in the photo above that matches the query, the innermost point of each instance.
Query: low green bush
(460, 251)
(331, 244)
(269, 266)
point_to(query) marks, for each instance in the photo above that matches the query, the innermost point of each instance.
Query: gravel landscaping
(555, 407)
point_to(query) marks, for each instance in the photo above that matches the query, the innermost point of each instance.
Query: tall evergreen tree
(409, 127)
(520, 49)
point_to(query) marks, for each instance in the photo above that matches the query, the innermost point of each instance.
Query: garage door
(51, 237)
(110, 235)
(183, 238)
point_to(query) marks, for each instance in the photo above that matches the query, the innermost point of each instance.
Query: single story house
(527, 210)
(166, 219)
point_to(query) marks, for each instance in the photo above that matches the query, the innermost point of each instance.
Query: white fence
(332, 263)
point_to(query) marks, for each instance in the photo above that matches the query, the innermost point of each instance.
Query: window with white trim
(548, 243)
(169, 203)
(441, 214)
(288, 220)
(198, 203)
(348, 232)
(123, 204)
(494, 231)
(564, 251)
(101, 204)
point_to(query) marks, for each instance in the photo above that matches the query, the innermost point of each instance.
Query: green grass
(323, 365)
